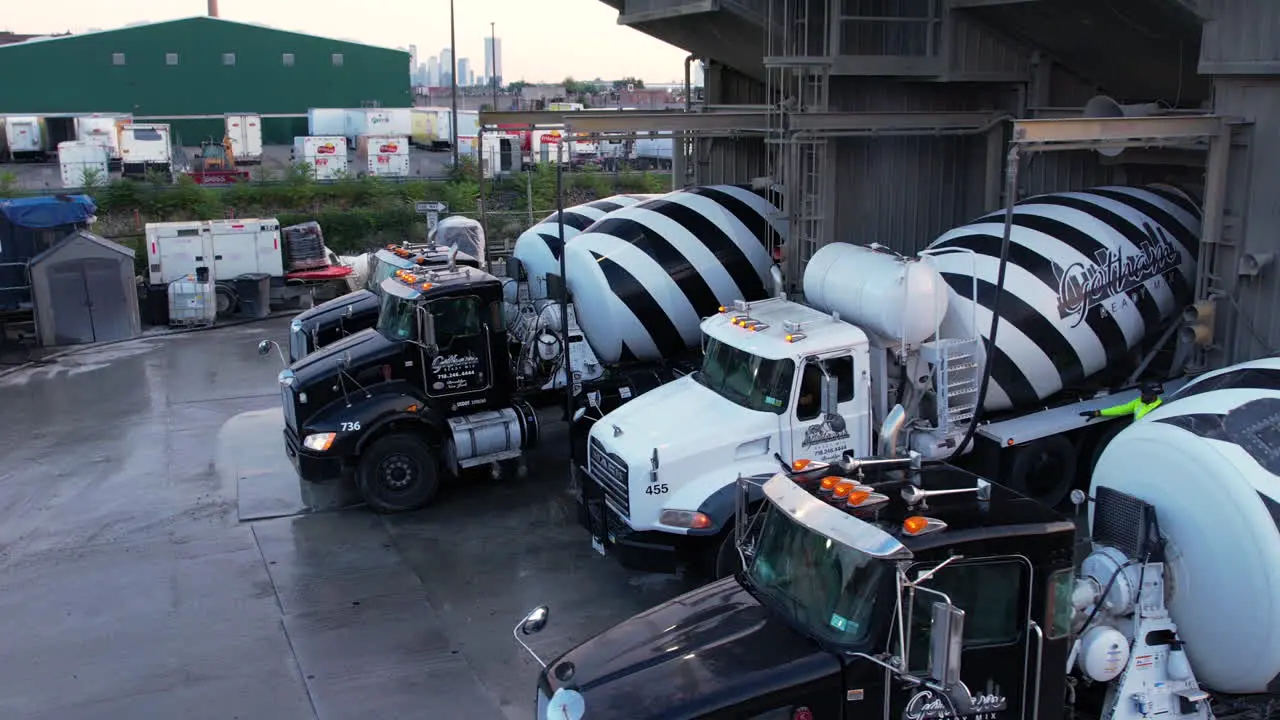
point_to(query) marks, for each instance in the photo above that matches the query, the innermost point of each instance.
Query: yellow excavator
(215, 164)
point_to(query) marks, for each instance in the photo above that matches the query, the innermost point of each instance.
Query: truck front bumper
(646, 551)
(310, 466)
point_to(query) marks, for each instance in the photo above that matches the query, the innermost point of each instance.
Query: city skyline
(536, 46)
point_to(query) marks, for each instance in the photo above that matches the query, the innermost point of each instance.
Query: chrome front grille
(297, 345)
(611, 473)
(290, 416)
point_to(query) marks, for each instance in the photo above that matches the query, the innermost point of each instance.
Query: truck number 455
(349, 426)
(660, 489)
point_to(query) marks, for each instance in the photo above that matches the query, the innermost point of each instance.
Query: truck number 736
(349, 426)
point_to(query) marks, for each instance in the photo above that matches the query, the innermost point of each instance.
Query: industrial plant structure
(890, 122)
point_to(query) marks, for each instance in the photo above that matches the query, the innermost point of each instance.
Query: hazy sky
(540, 40)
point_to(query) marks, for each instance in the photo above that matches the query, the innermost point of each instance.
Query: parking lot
(156, 559)
(275, 162)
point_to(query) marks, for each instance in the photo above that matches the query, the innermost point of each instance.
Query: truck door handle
(199, 258)
(217, 257)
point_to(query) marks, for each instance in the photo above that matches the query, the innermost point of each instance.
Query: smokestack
(213, 8)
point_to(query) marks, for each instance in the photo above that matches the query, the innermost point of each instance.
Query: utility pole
(493, 64)
(453, 87)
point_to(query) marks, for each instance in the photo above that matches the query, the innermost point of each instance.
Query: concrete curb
(54, 356)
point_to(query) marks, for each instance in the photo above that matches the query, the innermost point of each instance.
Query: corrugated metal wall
(178, 68)
(904, 192)
(1240, 36)
(728, 160)
(1253, 226)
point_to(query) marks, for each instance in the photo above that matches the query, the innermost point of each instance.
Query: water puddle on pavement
(251, 452)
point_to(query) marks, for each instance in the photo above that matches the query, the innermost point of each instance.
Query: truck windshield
(823, 586)
(380, 268)
(397, 319)
(748, 380)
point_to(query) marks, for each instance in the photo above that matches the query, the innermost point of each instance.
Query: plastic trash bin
(254, 290)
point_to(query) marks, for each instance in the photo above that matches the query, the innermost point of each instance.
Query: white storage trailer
(145, 147)
(377, 121)
(326, 121)
(327, 155)
(24, 136)
(245, 132)
(103, 129)
(382, 155)
(83, 163)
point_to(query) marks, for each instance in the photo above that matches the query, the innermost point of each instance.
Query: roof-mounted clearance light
(420, 260)
(806, 465)
(793, 331)
(426, 286)
(917, 525)
(860, 499)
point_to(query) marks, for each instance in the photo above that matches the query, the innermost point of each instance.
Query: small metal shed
(84, 291)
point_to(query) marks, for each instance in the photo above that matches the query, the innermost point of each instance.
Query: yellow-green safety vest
(1135, 406)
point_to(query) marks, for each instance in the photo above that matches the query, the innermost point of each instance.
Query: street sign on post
(432, 210)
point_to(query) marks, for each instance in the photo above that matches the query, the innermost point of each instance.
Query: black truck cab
(429, 390)
(872, 589)
(348, 314)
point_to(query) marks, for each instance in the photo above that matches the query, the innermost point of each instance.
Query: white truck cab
(778, 379)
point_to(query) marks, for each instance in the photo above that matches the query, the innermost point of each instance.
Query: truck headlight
(319, 441)
(690, 519)
(287, 378)
(295, 326)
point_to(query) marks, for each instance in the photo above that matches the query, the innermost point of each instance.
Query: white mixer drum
(643, 278)
(1089, 275)
(464, 233)
(538, 248)
(897, 298)
(1208, 460)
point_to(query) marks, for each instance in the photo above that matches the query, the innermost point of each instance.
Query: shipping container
(145, 147)
(103, 129)
(327, 155)
(245, 132)
(326, 121)
(83, 163)
(382, 155)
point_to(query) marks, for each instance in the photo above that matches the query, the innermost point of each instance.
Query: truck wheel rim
(397, 472)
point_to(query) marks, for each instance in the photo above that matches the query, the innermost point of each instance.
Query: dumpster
(254, 290)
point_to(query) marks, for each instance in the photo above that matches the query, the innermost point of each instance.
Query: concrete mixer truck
(1090, 280)
(430, 391)
(902, 589)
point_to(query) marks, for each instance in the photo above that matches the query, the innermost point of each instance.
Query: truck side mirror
(946, 636)
(427, 329)
(830, 400)
(535, 620)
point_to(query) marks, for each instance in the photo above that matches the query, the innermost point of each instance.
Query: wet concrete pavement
(131, 587)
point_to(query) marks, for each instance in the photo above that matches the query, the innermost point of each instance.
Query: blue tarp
(39, 213)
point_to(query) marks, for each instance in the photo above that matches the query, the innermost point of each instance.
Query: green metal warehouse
(201, 66)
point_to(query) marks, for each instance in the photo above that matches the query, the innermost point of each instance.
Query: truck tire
(226, 300)
(1044, 469)
(397, 474)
